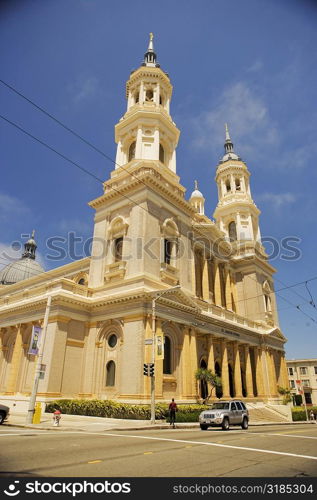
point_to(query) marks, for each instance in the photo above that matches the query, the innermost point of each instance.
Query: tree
(286, 393)
(207, 376)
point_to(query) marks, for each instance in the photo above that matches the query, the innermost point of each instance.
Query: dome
(230, 156)
(196, 193)
(24, 268)
(20, 270)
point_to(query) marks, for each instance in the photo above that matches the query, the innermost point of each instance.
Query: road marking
(232, 447)
(190, 446)
(294, 436)
(148, 453)
(94, 462)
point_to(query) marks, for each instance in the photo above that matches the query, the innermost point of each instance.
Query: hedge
(113, 409)
(299, 413)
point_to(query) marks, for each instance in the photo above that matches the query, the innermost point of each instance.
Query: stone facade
(212, 283)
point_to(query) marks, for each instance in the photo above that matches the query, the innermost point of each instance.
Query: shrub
(299, 413)
(114, 409)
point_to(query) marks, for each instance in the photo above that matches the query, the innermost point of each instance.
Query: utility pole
(29, 417)
(153, 349)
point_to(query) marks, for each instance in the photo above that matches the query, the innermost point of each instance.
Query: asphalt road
(264, 451)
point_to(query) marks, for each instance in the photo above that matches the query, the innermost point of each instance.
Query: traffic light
(151, 369)
(145, 370)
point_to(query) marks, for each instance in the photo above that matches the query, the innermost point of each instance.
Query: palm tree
(207, 376)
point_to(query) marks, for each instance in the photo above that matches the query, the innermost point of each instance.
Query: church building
(208, 281)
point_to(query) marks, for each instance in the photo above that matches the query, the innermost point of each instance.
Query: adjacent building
(209, 278)
(302, 376)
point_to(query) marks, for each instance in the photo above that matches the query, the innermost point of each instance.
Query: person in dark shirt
(172, 411)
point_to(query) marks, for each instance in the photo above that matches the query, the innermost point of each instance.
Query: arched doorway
(218, 372)
(203, 383)
(231, 387)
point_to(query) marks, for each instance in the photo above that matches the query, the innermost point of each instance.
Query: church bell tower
(147, 131)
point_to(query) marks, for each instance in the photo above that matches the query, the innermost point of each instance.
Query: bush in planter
(113, 409)
(299, 413)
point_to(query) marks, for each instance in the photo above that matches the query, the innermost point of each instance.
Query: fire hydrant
(56, 417)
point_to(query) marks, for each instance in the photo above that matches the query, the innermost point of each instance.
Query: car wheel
(203, 427)
(225, 424)
(2, 417)
(245, 423)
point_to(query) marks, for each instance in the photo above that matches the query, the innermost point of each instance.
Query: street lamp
(29, 417)
(153, 349)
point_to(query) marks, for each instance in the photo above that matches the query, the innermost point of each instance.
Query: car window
(220, 406)
(233, 407)
(243, 405)
(239, 405)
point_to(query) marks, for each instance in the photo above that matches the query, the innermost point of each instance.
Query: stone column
(224, 370)
(248, 372)
(193, 362)
(138, 146)
(228, 292)
(211, 353)
(141, 94)
(259, 372)
(272, 372)
(237, 371)
(157, 94)
(186, 364)
(205, 284)
(15, 360)
(218, 301)
(156, 152)
(284, 373)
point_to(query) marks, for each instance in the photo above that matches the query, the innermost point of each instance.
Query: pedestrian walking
(312, 417)
(172, 411)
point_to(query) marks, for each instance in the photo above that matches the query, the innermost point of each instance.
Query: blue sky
(251, 63)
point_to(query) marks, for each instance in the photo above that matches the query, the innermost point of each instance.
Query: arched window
(118, 245)
(238, 185)
(199, 274)
(232, 229)
(228, 185)
(131, 153)
(136, 97)
(167, 362)
(81, 281)
(162, 154)
(110, 373)
(149, 95)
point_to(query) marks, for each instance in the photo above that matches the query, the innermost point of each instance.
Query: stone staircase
(261, 412)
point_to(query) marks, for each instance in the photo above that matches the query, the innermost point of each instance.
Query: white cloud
(256, 66)
(277, 200)
(247, 116)
(84, 89)
(11, 206)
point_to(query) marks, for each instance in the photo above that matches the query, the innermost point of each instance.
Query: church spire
(150, 55)
(228, 142)
(29, 248)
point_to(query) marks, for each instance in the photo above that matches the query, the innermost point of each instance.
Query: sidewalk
(100, 424)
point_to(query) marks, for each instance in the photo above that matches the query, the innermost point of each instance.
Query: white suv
(223, 414)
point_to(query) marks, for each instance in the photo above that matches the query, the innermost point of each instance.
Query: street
(261, 451)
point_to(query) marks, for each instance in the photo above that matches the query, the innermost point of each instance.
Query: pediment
(179, 297)
(276, 332)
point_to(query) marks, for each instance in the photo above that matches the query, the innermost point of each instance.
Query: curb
(149, 427)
